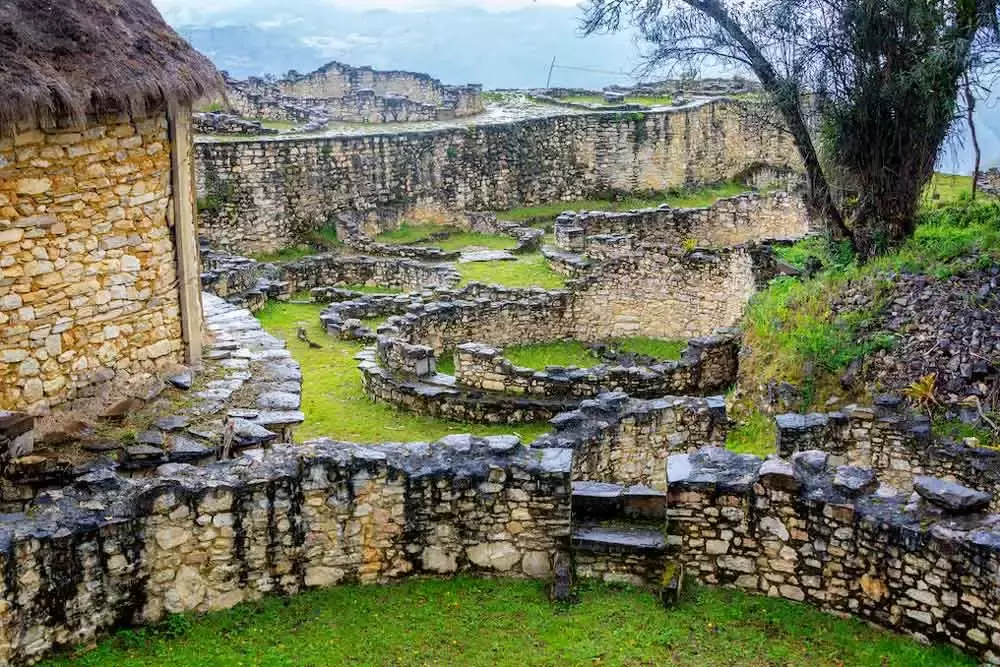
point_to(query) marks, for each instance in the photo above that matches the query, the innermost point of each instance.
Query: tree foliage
(882, 76)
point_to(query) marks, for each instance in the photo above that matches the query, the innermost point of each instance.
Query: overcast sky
(214, 6)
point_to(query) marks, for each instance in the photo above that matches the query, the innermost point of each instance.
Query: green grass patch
(280, 125)
(333, 401)
(658, 348)
(576, 353)
(756, 433)
(455, 242)
(645, 100)
(678, 198)
(508, 623)
(313, 243)
(556, 353)
(531, 270)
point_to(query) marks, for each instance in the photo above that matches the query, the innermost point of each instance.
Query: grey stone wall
(708, 364)
(729, 221)
(388, 272)
(808, 531)
(110, 551)
(900, 447)
(270, 192)
(627, 441)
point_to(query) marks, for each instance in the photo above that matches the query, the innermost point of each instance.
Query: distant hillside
(498, 49)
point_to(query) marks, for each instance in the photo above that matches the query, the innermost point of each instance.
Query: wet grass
(678, 198)
(576, 353)
(495, 623)
(527, 271)
(332, 399)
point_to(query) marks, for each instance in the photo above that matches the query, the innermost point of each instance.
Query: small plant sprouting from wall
(452, 153)
(218, 193)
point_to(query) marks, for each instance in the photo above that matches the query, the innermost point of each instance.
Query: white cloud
(183, 11)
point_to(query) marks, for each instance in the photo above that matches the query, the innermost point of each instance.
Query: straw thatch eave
(64, 60)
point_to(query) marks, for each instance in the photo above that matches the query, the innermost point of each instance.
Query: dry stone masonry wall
(354, 94)
(813, 532)
(727, 222)
(268, 193)
(900, 447)
(88, 290)
(110, 551)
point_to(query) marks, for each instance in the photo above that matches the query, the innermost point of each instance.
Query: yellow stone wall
(88, 288)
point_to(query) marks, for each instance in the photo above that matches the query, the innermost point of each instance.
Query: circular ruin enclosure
(487, 387)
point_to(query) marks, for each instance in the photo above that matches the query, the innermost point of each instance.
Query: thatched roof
(61, 60)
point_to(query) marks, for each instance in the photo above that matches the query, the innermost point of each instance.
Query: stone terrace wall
(272, 191)
(390, 273)
(659, 292)
(354, 94)
(707, 364)
(627, 441)
(88, 289)
(112, 551)
(900, 447)
(814, 534)
(728, 222)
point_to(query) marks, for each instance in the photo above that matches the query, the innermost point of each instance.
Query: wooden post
(185, 232)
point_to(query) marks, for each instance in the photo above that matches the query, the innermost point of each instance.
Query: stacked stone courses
(728, 222)
(88, 291)
(270, 192)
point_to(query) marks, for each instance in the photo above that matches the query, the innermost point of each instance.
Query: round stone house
(98, 255)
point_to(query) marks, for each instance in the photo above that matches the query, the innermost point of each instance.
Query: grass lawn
(457, 241)
(680, 198)
(527, 271)
(496, 623)
(576, 353)
(332, 399)
(313, 243)
(645, 100)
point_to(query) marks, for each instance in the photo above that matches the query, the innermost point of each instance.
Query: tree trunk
(970, 109)
(788, 99)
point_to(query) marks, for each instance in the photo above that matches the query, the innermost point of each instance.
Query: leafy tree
(882, 76)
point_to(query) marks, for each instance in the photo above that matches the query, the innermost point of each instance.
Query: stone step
(618, 540)
(598, 501)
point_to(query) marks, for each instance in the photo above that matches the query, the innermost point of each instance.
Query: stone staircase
(619, 536)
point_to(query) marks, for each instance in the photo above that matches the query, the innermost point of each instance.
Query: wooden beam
(186, 233)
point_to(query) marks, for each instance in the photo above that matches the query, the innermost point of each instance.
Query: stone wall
(89, 288)
(111, 551)
(727, 222)
(666, 293)
(354, 94)
(271, 192)
(391, 273)
(627, 441)
(815, 533)
(900, 447)
(708, 364)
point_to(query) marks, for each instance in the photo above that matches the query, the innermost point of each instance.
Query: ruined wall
(815, 533)
(117, 551)
(391, 273)
(88, 291)
(707, 364)
(354, 94)
(626, 441)
(900, 447)
(727, 222)
(663, 293)
(270, 192)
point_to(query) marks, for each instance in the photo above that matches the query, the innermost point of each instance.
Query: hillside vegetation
(824, 336)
